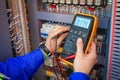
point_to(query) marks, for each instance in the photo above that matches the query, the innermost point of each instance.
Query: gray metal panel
(117, 42)
(116, 53)
(117, 46)
(114, 49)
(34, 30)
(117, 26)
(117, 34)
(113, 78)
(5, 44)
(116, 67)
(116, 60)
(117, 30)
(101, 60)
(114, 74)
(103, 22)
(66, 18)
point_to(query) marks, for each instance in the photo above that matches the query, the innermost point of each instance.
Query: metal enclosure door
(114, 48)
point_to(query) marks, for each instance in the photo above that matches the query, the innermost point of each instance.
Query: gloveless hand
(53, 37)
(85, 62)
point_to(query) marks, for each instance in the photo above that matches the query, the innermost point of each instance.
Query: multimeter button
(71, 30)
(84, 35)
(74, 40)
(79, 33)
(71, 47)
(70, 42)
(73, 36)
(75, 32)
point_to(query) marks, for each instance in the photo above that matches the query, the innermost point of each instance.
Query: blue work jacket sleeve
(22, 67)
(78, 76)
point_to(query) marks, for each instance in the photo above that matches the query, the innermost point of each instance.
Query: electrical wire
(56, 57)
(56, 61)
(60, 67)
(53, 58)
(67, 62)
(69, 57)
(55, 72)
(54, 69)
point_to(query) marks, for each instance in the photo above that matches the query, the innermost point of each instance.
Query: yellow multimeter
(83, 26)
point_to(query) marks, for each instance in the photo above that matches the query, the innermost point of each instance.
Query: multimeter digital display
(83, 26)
(82, 22)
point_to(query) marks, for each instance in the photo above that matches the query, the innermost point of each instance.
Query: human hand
(51, 42)
(84, 62)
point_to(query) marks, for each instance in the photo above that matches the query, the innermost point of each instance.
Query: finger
(62, 29)
(59, 30)
(53, 31)
(61, 38)
(79, 46)
(57, 27)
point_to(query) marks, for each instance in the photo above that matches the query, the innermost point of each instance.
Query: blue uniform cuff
(78, 76)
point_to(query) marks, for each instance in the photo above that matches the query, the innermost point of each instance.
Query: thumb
(79, 47)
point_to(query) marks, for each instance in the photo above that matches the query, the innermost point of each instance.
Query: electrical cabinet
(14, 38)
(61, 12)
(18, 29)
